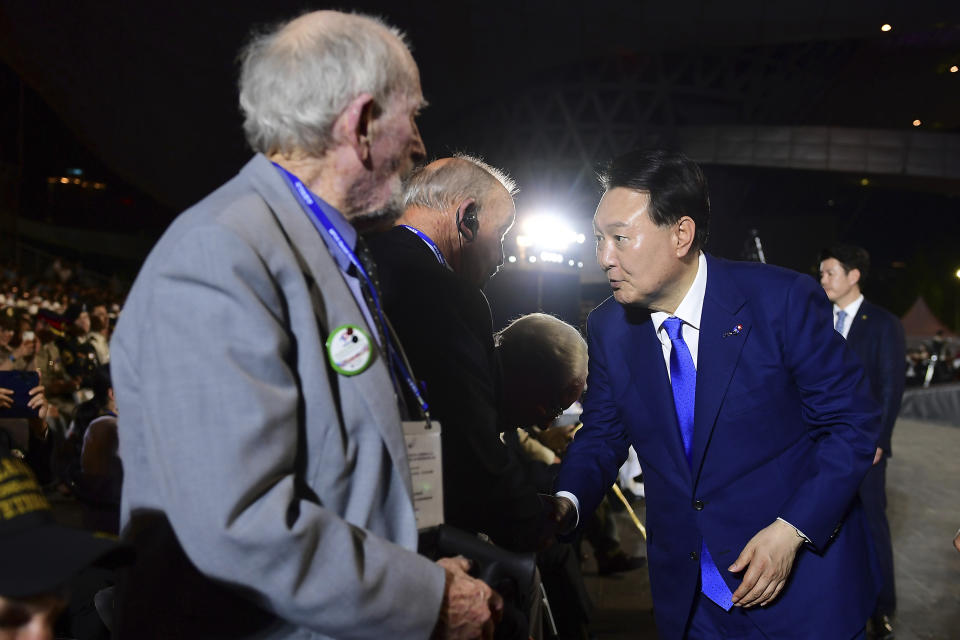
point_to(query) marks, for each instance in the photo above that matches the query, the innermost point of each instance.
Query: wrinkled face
(482, 258)
(638, 257)
(396, 148)
(29, 618)
(841, 287)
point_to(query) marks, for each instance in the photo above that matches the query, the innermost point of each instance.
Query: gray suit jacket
(280, 479)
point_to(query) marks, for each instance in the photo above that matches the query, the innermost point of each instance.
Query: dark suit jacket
(784, 425)
(446, 330)
(876, 336)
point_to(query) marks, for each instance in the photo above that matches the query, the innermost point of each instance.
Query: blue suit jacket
(784, 426)
(876, 336)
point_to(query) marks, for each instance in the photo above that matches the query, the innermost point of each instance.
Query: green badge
(349, 349)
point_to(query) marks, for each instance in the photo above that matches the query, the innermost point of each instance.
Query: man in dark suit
(432, 265)
(753, 424)
(876, 336)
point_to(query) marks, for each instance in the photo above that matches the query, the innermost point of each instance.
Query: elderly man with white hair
(267, 486)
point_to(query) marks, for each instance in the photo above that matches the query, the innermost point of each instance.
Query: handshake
(471, 608)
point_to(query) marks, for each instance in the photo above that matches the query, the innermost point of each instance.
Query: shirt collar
(691, 307)
(851, 308)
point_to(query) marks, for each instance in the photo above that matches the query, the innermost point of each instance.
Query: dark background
(141, 98)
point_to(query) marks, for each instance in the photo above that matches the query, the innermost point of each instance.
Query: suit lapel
(321, 268)
(724, 328)
(858, 324)
(649, 376)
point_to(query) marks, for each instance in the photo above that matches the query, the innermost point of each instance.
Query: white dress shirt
(689, 310)
(851, 310)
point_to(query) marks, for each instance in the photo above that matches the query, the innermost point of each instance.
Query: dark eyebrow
(618, 225)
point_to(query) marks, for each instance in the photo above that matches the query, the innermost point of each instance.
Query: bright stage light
(533, 258)
(547, 231)
(886, 28)
(551, 256)
(512, 259)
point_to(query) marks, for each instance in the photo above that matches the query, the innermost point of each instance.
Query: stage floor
(923, 493)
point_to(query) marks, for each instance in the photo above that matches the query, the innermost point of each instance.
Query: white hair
(543, 351)
(443, 186)
(295, 80)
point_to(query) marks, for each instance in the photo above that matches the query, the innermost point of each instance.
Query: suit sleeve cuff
(576, 504)
(799, 533)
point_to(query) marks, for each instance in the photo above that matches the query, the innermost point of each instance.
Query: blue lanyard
(430, 243)
(321, 221)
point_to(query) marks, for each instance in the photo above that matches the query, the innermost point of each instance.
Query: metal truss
(557, 129)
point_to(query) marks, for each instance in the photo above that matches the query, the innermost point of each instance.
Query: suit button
(693, 555)
(698, 505)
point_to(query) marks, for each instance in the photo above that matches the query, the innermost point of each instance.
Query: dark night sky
(142, 94)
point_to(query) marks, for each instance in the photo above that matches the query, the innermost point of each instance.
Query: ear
(467, 227)
(685, 233)
(354, 125)
(853, 276)
(466, 206)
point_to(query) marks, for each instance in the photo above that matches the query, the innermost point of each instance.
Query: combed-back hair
(543, 351)
(676, 185)
(443, 186)
(850, 256)
(295, 81)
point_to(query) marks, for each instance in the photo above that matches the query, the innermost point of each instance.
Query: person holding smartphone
(17, 432)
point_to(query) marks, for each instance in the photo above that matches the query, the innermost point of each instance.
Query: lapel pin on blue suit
(733, 332)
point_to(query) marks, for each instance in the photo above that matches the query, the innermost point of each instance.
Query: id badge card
(426, 471)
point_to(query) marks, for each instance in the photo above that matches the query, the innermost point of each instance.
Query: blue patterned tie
(841, 317)
(683, 379)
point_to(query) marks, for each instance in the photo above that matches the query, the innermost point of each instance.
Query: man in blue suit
(752, 421)
(876, 336)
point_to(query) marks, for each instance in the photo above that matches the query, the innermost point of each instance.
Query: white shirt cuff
(576, 504)
(799, 533)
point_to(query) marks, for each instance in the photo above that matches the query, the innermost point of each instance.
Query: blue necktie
(683, 379)
(841, 317)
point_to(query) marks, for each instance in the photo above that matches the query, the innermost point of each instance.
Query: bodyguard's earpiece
(467, 224)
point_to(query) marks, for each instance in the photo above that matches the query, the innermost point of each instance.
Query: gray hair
(442, 186)
(296, 79)
(543, 351)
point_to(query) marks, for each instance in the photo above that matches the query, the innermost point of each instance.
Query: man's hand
(470, 608)
(768, 559)
(560, 517)
(877, 455)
